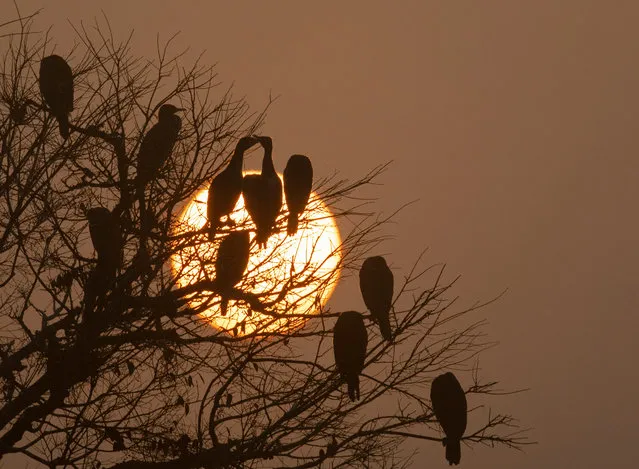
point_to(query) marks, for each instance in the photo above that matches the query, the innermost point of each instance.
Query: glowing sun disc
(307, 262)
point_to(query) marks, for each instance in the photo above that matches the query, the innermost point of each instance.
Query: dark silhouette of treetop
(134, 336)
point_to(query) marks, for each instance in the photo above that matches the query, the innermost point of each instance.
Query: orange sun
(293, 275)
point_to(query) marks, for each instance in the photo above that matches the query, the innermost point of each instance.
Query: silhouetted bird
(298, 181)
(157, 146)
(105, 236)
(230, 264)
(226, 188)
(349, 345)
(56, 86)
(58, 370)
(449, 405)
(263, 194)
(376, 284)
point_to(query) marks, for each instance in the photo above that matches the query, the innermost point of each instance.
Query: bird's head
(98, 215)
(50, 60)
(374, 263)
(265, 141)
(245, 143)
(168, 110)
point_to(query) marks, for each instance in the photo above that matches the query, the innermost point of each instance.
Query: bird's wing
(377, 286)
(148, 157)
(350, 341)
(298, 182)
(157, 145)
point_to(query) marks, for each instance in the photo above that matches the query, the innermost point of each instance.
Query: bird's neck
(237, 159)
(267, 162)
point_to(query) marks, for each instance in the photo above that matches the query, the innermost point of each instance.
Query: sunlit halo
(307, 262)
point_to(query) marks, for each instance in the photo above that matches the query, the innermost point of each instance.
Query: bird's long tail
(352, 382)
(453, 450)
(293, 221)
(224, 305)
(384, 326)
(63, 123)
(146, 220)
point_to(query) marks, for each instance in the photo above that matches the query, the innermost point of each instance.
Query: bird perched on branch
(450, 407)
(156, 147)
(376, 285)
(105, 236)
(349, 345)
(230, 264)
(56, 86)
(263, 194)
(298, 181)
(226, 188)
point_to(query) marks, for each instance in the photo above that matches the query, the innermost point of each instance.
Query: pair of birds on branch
(56, 86)
(262, 192)
(350, 338)
(104, 226)
(350, 341)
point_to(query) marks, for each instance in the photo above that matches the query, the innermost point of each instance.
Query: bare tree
(124, 372)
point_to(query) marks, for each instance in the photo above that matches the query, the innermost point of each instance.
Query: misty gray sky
(513, 123)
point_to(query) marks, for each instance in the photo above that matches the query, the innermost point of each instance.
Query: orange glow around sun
(306, 265)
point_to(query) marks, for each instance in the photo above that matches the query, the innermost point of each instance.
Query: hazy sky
(513, 123)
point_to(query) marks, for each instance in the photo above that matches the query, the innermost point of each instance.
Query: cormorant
(226, 188)
(449, 405)
(230, 264)
(349, 344)
(298, 181)
(376, 285)
(105, 236)
(56, 86)
(157, 146)
(58, 373)
(263, 194)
